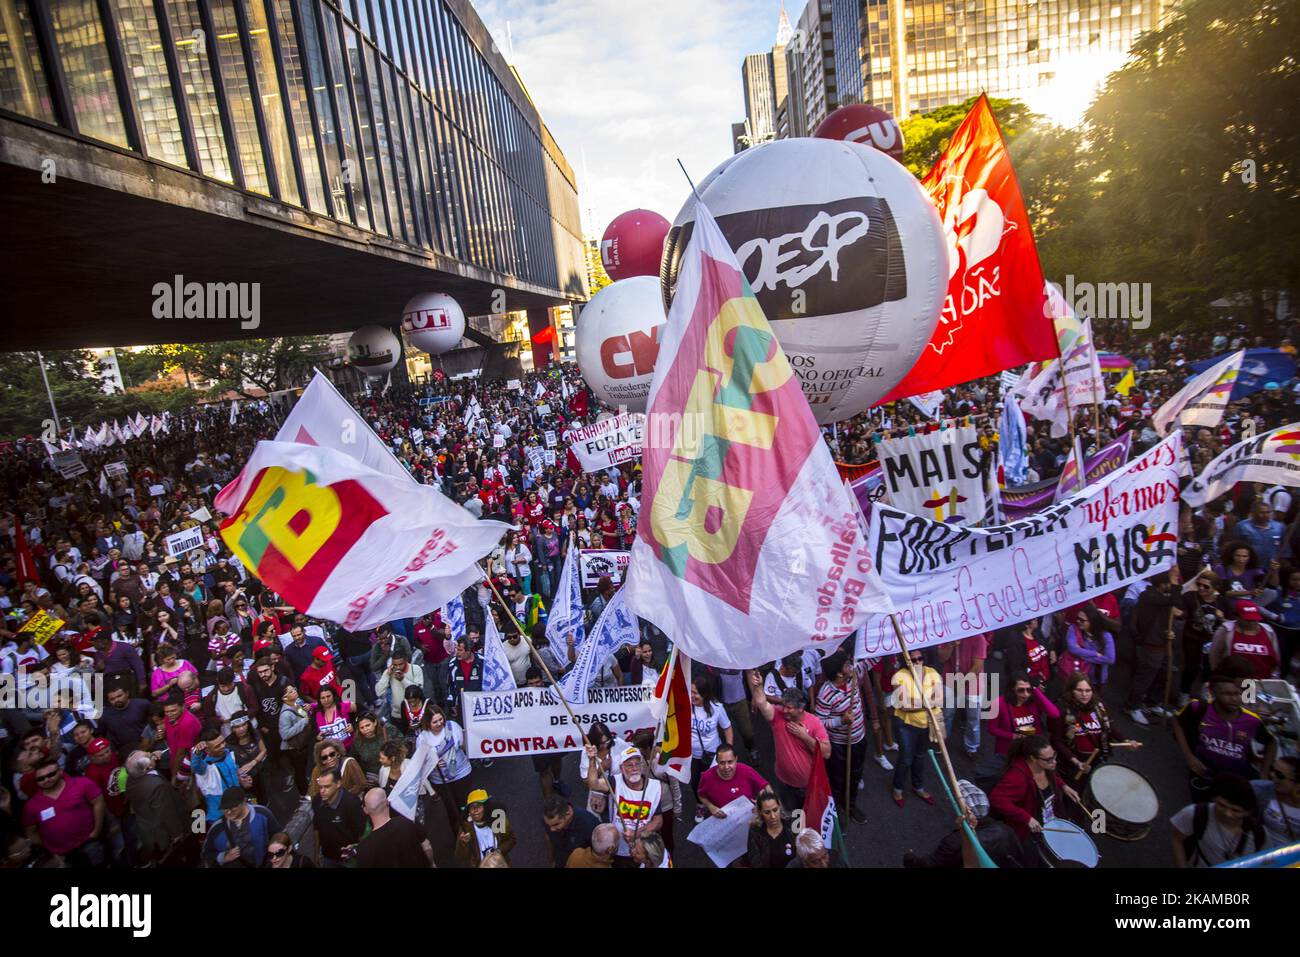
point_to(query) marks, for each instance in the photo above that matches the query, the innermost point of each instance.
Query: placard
(514, 384)
(543, 409)
(498, 441)
(534, 720)
(550, 457)
(608, 442)
(185, 541)
(595, 562)
(42, 627)
(157, 490)
(551, 440)
(68, 464)
(115, 470)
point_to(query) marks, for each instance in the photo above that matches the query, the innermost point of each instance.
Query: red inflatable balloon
(866, 124)
(633, 244)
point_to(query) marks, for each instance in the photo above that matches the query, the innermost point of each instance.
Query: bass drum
(1127, 800)
(1064, 844)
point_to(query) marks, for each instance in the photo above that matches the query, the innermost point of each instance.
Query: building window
(200, 93)
(273, 104)
(352, 171)
(314, 62)
(23, 87)
(146, 76)
(80, 39)
(365, 119)
(239, 96)
(296, 95)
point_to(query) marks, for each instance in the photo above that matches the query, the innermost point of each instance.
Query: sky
(627, 87)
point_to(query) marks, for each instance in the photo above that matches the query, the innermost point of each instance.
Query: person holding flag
(798, 737)
(635, 797)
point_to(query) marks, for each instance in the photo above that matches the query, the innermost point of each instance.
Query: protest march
(1020, 592)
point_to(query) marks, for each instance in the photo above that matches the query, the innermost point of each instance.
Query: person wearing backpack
(1223, 829)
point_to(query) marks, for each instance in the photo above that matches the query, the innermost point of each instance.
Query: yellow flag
(1125, 385)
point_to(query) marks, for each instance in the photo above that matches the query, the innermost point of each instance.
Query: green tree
(926, 135)
(242, 365)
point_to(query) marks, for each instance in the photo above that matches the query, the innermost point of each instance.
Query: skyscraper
(820, 91)
(1049, 53)
(760, 97)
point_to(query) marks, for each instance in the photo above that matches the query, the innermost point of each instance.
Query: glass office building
(1033, 50)
(396, 117)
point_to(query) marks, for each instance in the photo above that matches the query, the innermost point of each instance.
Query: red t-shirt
(67, 821)
(313, 679)
(746, 782)
(1038, 661)
(101, 774)
(793, 759)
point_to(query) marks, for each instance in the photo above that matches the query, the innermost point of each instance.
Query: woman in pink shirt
(168, 673)
(1024, 710)
(333, 718)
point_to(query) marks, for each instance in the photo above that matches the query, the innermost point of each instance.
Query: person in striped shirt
(839, 706)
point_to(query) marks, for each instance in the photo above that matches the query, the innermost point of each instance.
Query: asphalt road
(889, 830)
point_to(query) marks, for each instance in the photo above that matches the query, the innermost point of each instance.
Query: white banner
(534, 720)
(1270, 459)
(514, 384)
(608, 442)
(936, 475)
(595, 562)
(949, 583)
(183, 542)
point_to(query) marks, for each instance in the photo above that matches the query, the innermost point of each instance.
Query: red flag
(578, 403)
(25, 564)
(819, 806)
(994, 316)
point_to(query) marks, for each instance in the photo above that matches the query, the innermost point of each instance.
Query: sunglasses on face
(45, 778)
(277, 854)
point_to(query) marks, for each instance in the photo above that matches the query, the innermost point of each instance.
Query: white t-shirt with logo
(706, 728)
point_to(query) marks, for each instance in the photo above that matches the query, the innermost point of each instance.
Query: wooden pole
(1169, 666)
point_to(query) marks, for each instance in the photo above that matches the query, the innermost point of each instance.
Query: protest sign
(498, 441)
(201, 514)
(534, 720)
(42, 627)
(550, 457)
(936, 475)
(608, 442)
(595, 562)
(725, 838)
(948, 582)
(157, 490)
(551, 441)
(185, 541)
(514, 384)
(68, 464)
(543, 409)
(115, 470)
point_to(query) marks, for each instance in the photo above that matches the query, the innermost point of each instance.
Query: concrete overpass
(454, 185)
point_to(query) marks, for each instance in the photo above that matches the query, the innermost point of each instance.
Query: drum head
(1070, 844)
(1124, 793)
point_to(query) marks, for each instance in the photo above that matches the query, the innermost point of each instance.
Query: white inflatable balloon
(374, 350)
(433, 322)
(845, 253)
(618, 341)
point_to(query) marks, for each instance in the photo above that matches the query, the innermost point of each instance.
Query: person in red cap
(1248, 638)
(320, 673)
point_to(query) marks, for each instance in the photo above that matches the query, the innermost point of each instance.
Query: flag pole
(533, 648)
(929, 715)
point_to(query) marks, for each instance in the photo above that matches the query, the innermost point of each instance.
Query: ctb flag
(993, 317)
(345, 543)
(748, 544)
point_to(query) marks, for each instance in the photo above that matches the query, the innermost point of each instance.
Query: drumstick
(1126, 744)
(1060, 830)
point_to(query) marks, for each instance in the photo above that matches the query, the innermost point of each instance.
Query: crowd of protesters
(185, 715)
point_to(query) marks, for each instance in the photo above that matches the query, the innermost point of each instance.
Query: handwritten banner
(1019, 502)
(948, 582)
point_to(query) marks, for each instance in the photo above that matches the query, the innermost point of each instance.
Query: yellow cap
(477, 796)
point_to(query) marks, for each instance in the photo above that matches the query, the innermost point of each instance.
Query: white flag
(566, 617)
(234, 411)
(1203, 400)
(1043, 397)
(748, 543)
(497, 675)
(616, 628)
(323, 417)
(1269, 459)
(155, 425)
